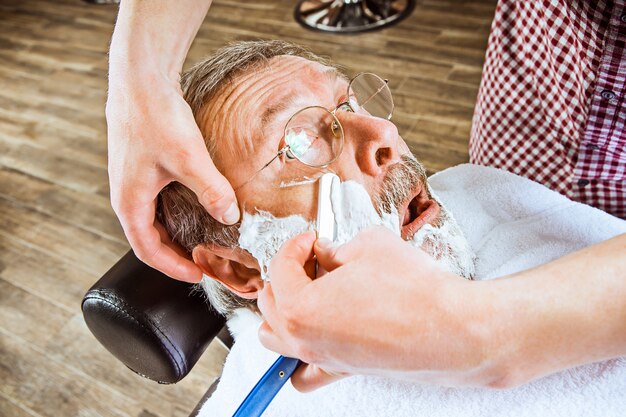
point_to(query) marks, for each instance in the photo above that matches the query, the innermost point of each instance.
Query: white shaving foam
(354, 212)
(262, 233)
(446, 244)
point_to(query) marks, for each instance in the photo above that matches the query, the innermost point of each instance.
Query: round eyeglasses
(314, 136)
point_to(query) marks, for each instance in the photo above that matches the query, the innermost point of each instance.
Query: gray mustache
(399, 184)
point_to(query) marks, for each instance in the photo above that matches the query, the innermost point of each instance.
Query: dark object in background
(351, 16)
(341, 16)
(155, 325)
(102, 1)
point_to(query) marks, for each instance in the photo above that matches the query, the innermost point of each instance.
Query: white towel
(512, 224)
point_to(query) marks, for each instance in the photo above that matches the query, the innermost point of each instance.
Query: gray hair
(178, 209)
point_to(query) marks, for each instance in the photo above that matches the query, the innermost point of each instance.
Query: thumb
(308, 378)
(287, 268)
(326, 254)
(213, 190)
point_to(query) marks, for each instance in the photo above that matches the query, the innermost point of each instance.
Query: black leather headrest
(155, 325)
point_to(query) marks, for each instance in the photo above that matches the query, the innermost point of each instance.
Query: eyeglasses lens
(372, 95)
(314, 136)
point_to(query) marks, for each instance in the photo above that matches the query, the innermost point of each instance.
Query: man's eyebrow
(331, 73)
(278, 107)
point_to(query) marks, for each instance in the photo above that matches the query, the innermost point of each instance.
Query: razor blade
(325, 224)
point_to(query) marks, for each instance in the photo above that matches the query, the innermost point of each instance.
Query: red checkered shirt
(552, 101)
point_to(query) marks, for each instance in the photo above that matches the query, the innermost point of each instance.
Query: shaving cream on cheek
(354, 212)
(262, 234)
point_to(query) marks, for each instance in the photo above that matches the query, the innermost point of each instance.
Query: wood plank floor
(58, 233)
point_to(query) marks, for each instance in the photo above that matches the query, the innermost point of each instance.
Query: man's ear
(233, 267)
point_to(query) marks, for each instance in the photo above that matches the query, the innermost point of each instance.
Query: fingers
(365, 243)
(291, 269)
(153, 139)
(213, 190)
(153, 247)
(308, 378)
(287, 269)
(273, 342)
(168, 261)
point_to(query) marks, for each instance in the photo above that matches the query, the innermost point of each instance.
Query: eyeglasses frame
(286, 149)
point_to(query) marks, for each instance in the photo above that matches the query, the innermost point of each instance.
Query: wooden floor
(57, 231)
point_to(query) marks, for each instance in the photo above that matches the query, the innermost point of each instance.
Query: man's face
(247, 122)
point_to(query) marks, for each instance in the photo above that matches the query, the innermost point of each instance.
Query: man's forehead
(283, 71)
(292, 73)
(260, 95)
(278, 100)
(308, 66)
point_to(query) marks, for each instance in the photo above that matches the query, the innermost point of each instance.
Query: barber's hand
(385, 308)
(153, 140)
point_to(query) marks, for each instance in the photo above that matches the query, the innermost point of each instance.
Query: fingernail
(324, 243)
(232, 214)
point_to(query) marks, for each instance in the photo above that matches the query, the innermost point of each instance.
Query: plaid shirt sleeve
(552, 101)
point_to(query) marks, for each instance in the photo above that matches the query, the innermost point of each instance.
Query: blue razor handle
(268, 386)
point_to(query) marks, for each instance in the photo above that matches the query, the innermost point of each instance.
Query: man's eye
(354, 103)
(289, 155)
(299, 141)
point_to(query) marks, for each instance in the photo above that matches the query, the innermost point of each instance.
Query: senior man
(145, 111)
(274, 118)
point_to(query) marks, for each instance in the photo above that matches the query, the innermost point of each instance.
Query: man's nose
(372, 141)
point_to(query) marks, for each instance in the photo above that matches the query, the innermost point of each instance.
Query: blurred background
(58, 234)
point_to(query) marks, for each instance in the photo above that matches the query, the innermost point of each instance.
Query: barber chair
(351, 16)
(156, 326)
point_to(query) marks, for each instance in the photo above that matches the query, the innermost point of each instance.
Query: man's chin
(444, 241)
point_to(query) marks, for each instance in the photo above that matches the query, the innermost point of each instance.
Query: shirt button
(582, 183)
(608, 94)
(593, 146)
(623, 18)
